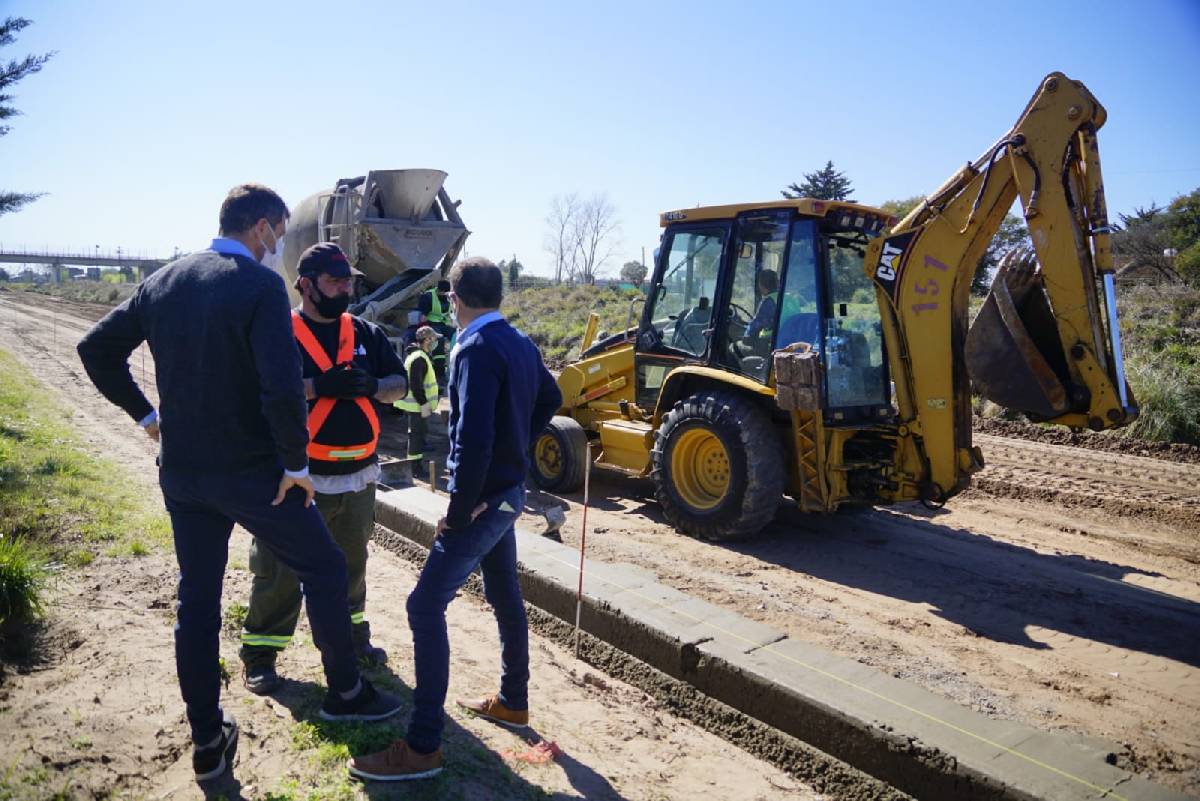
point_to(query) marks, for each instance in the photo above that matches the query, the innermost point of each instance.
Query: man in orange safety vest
(348, 366)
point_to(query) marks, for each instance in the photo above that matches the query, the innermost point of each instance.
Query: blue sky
(150, 112)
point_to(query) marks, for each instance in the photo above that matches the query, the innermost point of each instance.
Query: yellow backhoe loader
(821, 349)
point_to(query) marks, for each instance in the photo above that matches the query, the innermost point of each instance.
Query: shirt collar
(231, 247)
(480, 322)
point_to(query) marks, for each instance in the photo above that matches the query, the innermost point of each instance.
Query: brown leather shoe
(493, 710)
(396, 763)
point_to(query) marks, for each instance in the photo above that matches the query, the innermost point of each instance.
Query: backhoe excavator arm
(1041, 344)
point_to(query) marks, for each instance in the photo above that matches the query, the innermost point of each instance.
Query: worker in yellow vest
(422, 398)
(435, 306)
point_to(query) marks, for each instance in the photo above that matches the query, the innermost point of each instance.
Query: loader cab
(733, 284)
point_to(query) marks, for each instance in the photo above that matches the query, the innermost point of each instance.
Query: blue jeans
(491, 544)
(203, 509)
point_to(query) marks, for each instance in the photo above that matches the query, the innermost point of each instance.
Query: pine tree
(824, 184)
(11, 73)
(514, 271)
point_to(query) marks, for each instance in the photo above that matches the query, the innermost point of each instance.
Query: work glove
(426, 408)
(345, 382)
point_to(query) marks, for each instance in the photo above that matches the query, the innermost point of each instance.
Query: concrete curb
(916, 741)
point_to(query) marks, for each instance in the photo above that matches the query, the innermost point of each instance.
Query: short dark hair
(768, 280)
(246, 204)
(477, 282)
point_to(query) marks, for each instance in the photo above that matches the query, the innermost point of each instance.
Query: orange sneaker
(396, 763)
(493, 710)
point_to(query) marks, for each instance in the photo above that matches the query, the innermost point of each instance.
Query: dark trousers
(204, 508)
(418, 427)
(489, 543)
(275, 592)
(438, 357)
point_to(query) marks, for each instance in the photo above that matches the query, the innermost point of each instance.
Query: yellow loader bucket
(1013, 351)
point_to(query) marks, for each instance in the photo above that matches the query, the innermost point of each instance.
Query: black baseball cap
(328, 258)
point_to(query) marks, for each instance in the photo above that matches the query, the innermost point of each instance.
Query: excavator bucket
(1013, 352)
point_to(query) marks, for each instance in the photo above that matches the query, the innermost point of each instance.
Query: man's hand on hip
(286, 482)
(442, 528)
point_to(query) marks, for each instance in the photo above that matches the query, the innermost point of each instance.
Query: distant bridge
(83, 259)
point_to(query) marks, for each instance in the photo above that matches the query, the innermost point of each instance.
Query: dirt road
(98, 715)
(1063, 590)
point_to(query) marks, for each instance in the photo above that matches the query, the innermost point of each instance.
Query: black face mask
(329, 306)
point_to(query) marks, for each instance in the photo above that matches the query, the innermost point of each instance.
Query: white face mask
(273, 256)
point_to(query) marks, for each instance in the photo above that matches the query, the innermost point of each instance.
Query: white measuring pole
(587, 474)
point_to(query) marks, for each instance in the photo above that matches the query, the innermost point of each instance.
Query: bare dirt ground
(97, 713)
(1063, 590)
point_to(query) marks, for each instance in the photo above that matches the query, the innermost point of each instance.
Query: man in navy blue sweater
(234, 434)
(501, 396)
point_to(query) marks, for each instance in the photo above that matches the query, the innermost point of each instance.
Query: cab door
(677, 322)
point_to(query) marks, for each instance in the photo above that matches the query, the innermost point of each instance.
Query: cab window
(752, 311)
(855, 373)
(800, 312)
(681, 303)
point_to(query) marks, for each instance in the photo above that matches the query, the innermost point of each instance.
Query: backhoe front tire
(717, 466)
(560, 455)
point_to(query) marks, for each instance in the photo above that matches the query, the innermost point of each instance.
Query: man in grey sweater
(234, 435)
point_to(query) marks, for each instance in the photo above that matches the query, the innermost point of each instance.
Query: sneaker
(396, 763)
(211, 762)
(261, 678)
(369, 704)
(493, 710)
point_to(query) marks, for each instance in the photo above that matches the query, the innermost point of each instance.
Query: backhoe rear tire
(560, 455)
(717, 466)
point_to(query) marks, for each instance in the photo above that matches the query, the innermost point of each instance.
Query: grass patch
(1160, 329)
(554, 317)
(51, 490)
(80, 557)
(235, 615)
(17, 782)
(22, 583)
(58, 504)
(328, 746)
(106, 293)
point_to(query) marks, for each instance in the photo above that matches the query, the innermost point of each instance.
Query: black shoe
(368, 655)
(261, 678)
(369, 704)
(209, 763)
(420, 471)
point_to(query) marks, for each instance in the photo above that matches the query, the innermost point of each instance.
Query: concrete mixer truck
(398, 227)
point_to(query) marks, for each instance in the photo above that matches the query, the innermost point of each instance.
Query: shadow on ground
(473, 770)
